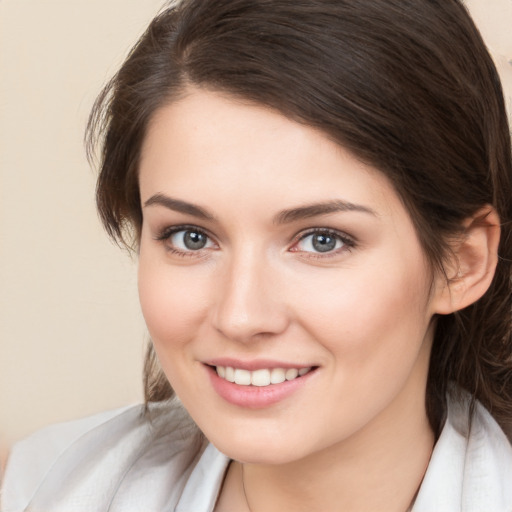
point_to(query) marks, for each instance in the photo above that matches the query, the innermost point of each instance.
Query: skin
(361, 313)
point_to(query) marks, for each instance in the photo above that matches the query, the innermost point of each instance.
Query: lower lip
(255, 397)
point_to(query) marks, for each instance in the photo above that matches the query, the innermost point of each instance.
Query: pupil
(324, 243)
(194, 240)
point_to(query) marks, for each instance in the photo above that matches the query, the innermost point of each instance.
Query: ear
(471, 268)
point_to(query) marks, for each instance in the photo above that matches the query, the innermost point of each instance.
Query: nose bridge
(248, 301)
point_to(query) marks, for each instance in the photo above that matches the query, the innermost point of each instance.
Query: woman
(324, 242)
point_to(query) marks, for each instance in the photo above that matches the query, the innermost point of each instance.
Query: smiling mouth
(262, 377)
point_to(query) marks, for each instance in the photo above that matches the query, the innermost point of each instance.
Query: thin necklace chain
(243, 488)
(249, 506)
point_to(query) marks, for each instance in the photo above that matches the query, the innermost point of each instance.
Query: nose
(249, 303)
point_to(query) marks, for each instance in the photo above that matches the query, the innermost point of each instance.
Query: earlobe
(471, 269)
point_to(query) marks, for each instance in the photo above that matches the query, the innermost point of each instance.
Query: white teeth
(242, 377)
(230, 374)
(277, 375)
(260, 378)
(291, 373)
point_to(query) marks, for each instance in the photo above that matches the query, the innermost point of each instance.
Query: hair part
(407, 86)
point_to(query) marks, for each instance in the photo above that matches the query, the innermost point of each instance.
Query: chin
(267, 450)
(259, 455)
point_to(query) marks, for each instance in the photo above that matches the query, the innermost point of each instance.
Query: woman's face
(270, 253)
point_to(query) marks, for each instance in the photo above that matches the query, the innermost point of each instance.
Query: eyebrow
(313, 210)
(179, 206)
(283, 217)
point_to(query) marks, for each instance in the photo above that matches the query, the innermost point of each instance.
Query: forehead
(207, 144)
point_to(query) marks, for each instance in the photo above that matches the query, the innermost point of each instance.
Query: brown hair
(406, 85)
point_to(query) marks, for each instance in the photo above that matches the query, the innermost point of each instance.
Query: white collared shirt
(121, 461)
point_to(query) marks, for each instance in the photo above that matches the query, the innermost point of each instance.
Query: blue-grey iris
(324, 243)
(194, 240)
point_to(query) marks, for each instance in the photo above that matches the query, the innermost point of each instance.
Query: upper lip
(255, 364)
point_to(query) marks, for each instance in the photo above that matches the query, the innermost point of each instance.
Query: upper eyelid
(349, 243)
(163, 237)
(166, 232)
(312, 231)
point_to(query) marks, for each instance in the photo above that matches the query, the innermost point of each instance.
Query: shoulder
(30, 459)
(471, 465)
(116, 459)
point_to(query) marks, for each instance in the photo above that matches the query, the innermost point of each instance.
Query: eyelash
(348, 242)
(166, 233)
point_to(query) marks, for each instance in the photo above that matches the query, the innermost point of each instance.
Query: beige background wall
(71, 335)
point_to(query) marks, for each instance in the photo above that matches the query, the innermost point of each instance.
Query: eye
(186, 240)
(189, 240)
(322, 241)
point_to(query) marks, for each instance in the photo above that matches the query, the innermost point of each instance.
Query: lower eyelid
(164, 237)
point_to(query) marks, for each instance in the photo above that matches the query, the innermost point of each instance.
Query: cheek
(369, 314)
(173, 307)
(172, 303)
(374, 327)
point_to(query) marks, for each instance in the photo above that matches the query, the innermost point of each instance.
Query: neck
(383, 464)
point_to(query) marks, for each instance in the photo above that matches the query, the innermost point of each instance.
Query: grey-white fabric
(125, 461)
